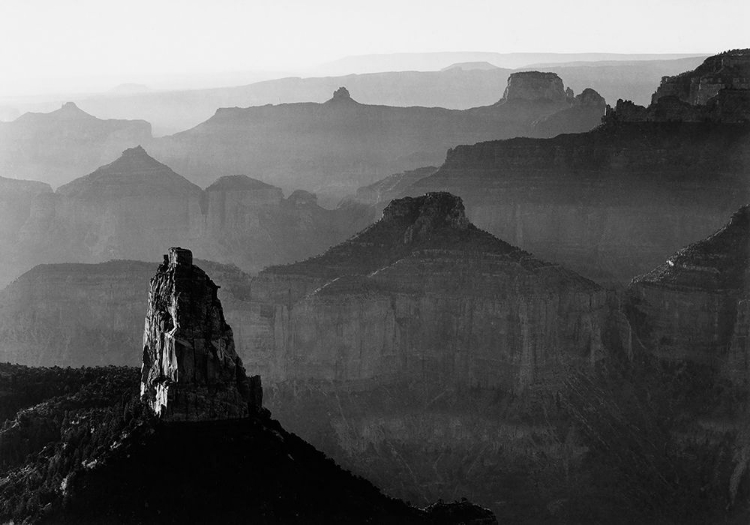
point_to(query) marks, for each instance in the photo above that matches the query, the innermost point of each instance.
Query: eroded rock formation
(190, 370)
(423, 294)
(716, 91)
(535, 85)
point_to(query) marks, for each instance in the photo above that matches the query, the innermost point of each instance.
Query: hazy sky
(47, 45)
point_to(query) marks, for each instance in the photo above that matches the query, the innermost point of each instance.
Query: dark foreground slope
(85, 451)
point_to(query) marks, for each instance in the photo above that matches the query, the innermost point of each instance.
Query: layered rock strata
(694, 307)
(190, 370)
(423, 294)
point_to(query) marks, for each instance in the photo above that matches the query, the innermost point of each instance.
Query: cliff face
(328, 148)
(57, 147)
(424, 294)
(190, 370)
(131, 208)
(694, 307)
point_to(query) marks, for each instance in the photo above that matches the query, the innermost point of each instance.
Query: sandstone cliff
(329, 148)
(694, 307)
(425, 294)
(190, 369)
(58, 146)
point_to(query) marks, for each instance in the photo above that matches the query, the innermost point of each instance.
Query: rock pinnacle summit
(190, 370)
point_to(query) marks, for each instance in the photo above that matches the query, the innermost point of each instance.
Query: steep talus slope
(58, 146)
(695, 306)
(424, 294)
(329, 147)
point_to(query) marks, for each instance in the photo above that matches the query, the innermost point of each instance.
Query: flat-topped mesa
(535, 85)
(190, 370)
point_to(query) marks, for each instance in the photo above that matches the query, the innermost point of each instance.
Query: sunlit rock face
(190, 370)
(424, 295)
(694, 307)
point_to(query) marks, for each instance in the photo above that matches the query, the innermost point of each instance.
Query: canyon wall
(423, 294)
(611, 203)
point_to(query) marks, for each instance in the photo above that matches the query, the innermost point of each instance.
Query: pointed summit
(436, 220)
(134, 173)
(69, 110)
(190, 370)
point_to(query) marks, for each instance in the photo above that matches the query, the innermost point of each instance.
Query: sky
(54, 45)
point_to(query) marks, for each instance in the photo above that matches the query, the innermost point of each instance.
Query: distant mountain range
(455, 84)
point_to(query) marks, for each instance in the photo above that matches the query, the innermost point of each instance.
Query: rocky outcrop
(328, 148)
(694, 307)
(723, 72)
(190, 370)
(423, 294)
(535, 85)
(56, 147)
(718, 90)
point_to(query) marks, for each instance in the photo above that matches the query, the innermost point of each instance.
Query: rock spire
(190, 370)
